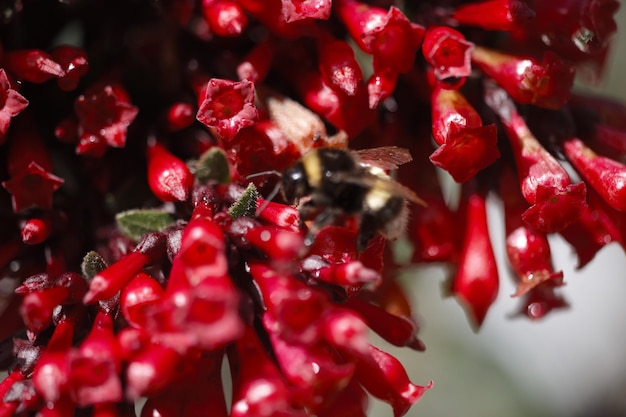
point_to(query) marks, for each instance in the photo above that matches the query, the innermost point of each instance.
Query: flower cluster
(139, 139)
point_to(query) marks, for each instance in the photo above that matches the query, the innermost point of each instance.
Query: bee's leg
(307, 212)
(368, 227)
(325, 218)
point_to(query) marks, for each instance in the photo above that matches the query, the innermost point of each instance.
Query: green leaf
(213, 165)
(245, 206)
(92, 264)
(135, 223)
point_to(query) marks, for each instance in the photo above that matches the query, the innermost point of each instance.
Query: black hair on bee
(337, 182)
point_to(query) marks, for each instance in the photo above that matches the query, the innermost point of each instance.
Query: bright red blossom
(546, 84)
(225, 18)
(447, 51)
(33, 65)
(12, 103)
(476, 282)
(104, 114)
(466, 145)
(227, 106)
(505, 15)
(33, 186)
(301, 9)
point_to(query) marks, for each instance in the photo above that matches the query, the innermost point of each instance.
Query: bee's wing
(370, 180)
(400, 190)
(384, 157)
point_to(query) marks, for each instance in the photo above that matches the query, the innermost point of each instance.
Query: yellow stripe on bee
(312, 168)
(377, 198)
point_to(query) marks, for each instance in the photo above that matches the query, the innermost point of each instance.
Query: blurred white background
(572, 363)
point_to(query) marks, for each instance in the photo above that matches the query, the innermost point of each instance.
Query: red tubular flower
(180, 116)
(279, 245)
(32, 65)
(197, 389)
(389, 36)
(338, 66)
(545, 84)
(335, 244)
(528, 250)
(504, 15)
(227, 106)
(169, 178)
(36, 230)
(29, 165)
(262, 147)
(202, 251)
(314, 370)
(545, 184)
(606, 176)
(200, 305)
(12, 104)
(37, 307)
(51, 374)
(541, 300)
(344, 329)
(73, 62)
(95, 366)
(280, 215)
(108, 282)
(448, 52)
(32, 187)
(380, 86)
(290, 305)
(349, 275)
(270, 13)
(348, 113)
(104, 114)
(258, 387)
(466, 145)
(224, 17)
(476, 282)
(294, 10)
(397, 330)
(141, 292)
(42, 296)
(598, 226)
(384, 377)
(153, 369)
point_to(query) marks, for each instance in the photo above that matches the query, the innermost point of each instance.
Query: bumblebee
(332, 183)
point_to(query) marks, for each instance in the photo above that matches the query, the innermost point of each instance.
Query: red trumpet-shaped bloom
(448, 52)
(476, 281)
(466, 146)
(168, 177)
(12, 103)
(227, 106)
(104, 114)
(505, 15)
(545, 184)
(547, 83)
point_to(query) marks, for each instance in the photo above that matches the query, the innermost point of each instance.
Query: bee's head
(294, 183)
